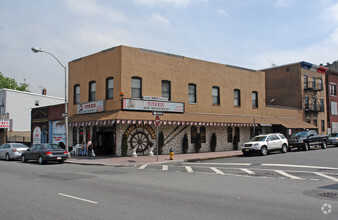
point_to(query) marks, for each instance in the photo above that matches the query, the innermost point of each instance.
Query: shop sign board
(58, 132)
(149, 105)
(4, 124)
(37, 135)
(155, 98)
(90, 107)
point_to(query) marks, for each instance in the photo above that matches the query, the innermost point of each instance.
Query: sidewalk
(140, 160)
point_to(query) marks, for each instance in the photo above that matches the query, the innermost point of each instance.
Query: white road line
(248, 171)
(143, 166)
(326, 176)
(220, 164)
(73, 197)
(165, 167)
(288, 175)
(217, 170)
(189, 169)
(298, 166)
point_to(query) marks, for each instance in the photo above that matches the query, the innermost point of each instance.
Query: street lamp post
(38, 50)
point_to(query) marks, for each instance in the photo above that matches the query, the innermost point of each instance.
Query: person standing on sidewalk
(89, 149)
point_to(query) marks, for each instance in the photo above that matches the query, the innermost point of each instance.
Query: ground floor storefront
(230, 131)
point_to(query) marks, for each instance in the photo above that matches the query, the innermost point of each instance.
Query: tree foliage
(10, 83)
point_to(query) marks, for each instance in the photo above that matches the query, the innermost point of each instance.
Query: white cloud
(283, 3)
(333, 12)
(159, 19)
(222, 11)
(92, 7)
(175, 3)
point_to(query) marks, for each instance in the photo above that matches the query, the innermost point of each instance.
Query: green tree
(9, 83)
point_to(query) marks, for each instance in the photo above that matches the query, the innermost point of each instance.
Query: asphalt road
(67, 191)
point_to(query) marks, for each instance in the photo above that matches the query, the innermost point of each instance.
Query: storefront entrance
(105, 141)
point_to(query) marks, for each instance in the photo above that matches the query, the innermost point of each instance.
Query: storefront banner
(58, 132)
(90, 107)
(4, 124)
(37, 135)
(143, 105)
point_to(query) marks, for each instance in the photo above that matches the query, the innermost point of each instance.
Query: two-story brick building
(113, 92)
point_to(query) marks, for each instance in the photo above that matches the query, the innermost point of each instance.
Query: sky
(254, 34)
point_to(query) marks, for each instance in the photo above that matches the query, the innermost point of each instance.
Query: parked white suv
(265, 143)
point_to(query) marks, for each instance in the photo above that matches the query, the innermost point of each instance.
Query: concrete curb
(209, 158)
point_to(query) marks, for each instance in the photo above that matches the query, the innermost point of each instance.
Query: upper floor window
(320, 84)
(166, 89)
(314, 82)
(334, 108)
(215, 95)
(333, 89)
(92, 90)
(323, 125)
(255, 99)
(192, 93)
(76, 94)
(110, 88)
(306, 81)
(136, 87)
(237, 97)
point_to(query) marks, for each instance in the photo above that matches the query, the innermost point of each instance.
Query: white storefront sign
(37, 135)
(90, 107)
(144, 105)
(58, 132)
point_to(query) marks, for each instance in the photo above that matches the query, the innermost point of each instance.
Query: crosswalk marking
(189, 169)
(288, 175)
(217, 171)
(248, 171)
(326, 176)
(143, 166)
(165, 167)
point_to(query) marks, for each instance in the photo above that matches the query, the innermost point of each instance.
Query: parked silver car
(333, 139)
(264, 143)
(9, 151)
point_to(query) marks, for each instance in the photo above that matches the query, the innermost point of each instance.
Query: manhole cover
(328, 194)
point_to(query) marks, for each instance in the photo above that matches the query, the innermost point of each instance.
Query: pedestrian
(83, 149)
(89, 149)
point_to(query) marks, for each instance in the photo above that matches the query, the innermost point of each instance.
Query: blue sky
(249, 33)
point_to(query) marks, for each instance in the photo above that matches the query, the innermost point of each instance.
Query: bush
(213, 142)
(198, 143)
(160, 142)
(185, 144)
(124, 146)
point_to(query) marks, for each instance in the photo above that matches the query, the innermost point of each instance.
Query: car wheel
(306, 146)
(284, 148)
(61, 161)
(23, 158)
(324, 145)
(7, 157)
(264, 151)
(40, 160)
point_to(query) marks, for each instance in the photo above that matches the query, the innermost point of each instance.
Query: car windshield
(299, 134)
(18, 145)
(259, 138)
(53, 147)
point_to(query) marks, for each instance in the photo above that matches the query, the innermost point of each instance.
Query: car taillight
(66, 152)
(48, 153)
(14, 150)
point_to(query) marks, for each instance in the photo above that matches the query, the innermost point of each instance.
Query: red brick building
(332, 100)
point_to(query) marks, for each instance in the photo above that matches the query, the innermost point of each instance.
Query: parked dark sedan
(44, 152)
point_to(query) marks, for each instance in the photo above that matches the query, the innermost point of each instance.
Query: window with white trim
(334, 110)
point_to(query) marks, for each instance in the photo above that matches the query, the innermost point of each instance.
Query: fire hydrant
(171, 154)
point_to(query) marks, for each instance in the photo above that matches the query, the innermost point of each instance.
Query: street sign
(64, 114)
(157, 121)
(158, 113)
